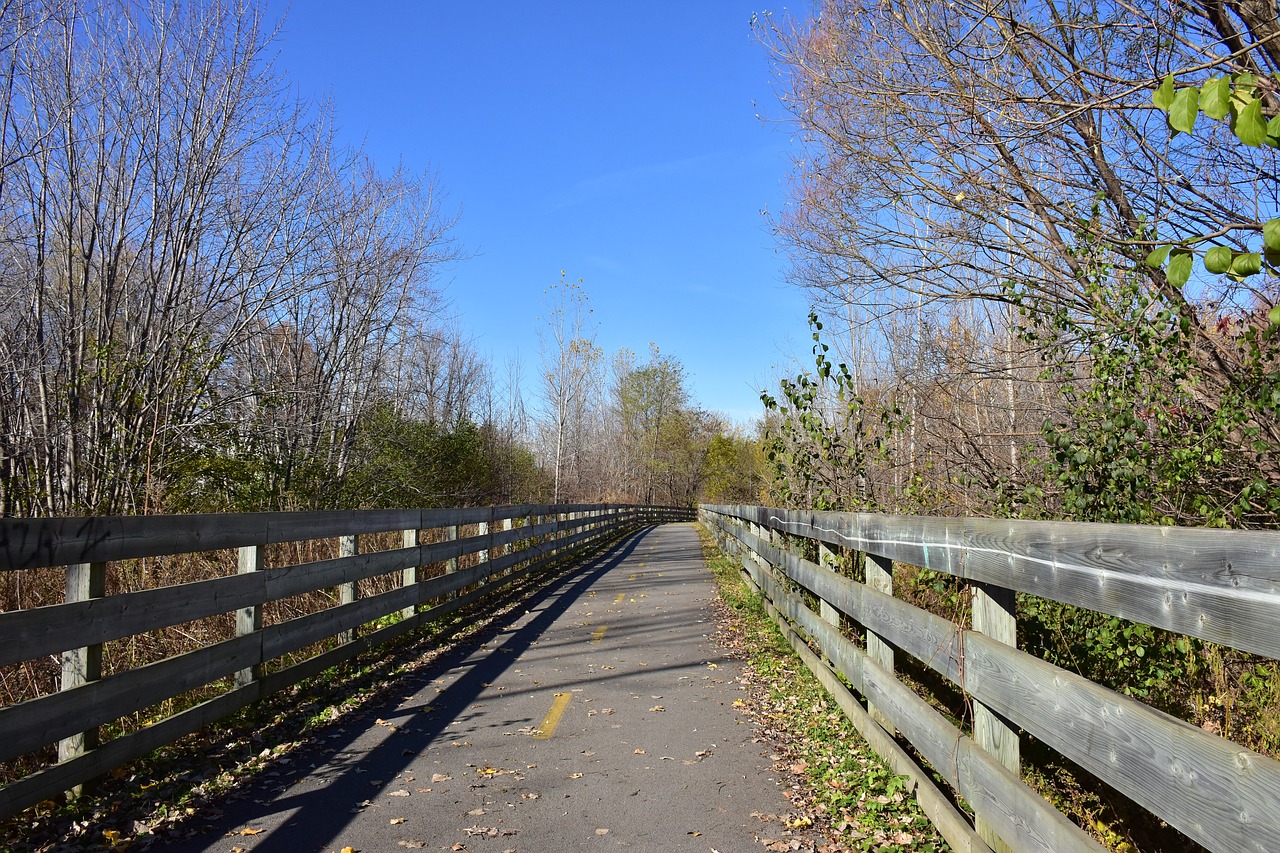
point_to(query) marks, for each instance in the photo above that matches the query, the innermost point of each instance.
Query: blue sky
(618, 142)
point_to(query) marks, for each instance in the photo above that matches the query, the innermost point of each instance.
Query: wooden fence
(1219, 586)
(427, 578)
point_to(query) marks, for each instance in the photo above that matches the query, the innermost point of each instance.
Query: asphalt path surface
(600, 717)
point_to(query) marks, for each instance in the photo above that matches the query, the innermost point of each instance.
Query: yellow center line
(552, 719)
(598, 634)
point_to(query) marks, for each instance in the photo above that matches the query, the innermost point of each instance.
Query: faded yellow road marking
(552, 719)
(598, 634)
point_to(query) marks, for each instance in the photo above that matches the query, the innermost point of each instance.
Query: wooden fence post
(994, 615)
(250, 558)
(482, 529)
(879, 576)
(410, 575)
(348, 546)
(451, 564)
(80, 666)
(827, 558)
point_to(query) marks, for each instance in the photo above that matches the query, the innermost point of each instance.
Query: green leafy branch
(1236, 100)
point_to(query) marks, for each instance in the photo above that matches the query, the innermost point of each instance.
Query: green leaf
(1157, 256)
(1163, 96)
(1271, 234)
(1218, 259)
(1184, 110)
(1179, 270)
(1274, 316)
(1245, 264)
(1215, 98)
(1250, 127)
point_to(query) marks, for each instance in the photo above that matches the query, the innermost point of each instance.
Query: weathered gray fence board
(40, 631)
(951, 823)
(33, 543)
(32, 724)
(1222, 795)
(302, 578)
(1220, 586)
(1022, 817)
(54, 780)
(302, 631)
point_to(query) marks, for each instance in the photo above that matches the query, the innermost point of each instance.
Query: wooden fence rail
(1220, 586)
(504, 545)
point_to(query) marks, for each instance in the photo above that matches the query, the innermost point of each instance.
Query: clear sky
(616, 141)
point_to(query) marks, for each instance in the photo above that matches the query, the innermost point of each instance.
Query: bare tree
(183, 248)
(571, 383)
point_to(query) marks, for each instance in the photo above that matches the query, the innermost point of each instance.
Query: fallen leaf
(401, 793)
(440, 777)
(411, 842)
(476, 812)
(396, 820)
(530, 796)
(574, 776)
(639, 752)
(657, 708)
(248, 831)
(602, 832)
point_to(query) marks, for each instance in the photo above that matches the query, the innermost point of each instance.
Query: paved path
(600, 718)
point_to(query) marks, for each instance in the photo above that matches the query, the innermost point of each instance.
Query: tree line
(211, 304)
(626, 429)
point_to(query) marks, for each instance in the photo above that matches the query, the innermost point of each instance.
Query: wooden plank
(1021, 815)
(950, 821)
(339, 621)
(52, 781)
(1216, 792)
(41, 631)
(302, 578)
(33, 543)
(1220, 586)
(37, 722)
